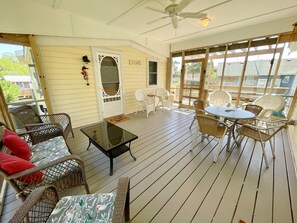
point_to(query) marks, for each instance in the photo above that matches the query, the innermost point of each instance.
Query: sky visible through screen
(6, 48)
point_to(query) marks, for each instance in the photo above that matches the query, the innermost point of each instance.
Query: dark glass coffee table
(110, 140)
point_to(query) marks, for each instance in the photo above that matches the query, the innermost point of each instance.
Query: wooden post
(243, 73)
(294, 100)
(168, 73)
(224, 65)
(4, 110)
(203, 75)
(270, 69)
(182, 80)
(40, 73)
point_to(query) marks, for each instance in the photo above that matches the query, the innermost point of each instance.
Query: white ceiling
(133, 15)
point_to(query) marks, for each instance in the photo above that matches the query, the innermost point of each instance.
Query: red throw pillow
(13, 164)
(16, 145)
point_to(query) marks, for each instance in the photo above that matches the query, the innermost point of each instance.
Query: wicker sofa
(44, 205)
(50, 162)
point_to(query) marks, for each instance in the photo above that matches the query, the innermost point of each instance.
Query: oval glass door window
(109, 76)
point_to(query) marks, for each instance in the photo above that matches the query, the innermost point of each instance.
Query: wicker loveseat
(49, 161)
(44, 205)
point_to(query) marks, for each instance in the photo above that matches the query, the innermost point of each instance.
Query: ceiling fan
(174, 12)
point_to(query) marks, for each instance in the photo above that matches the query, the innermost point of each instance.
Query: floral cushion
(49, 150)
(84, 208)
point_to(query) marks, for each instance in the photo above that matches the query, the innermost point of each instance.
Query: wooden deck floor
(169, 183)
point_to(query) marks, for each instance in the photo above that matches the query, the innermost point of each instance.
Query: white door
(109, 84)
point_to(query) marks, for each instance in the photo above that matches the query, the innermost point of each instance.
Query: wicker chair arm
(31, 126)
(58, 116)
(261, 128)
(212, 118)
(47, 165)
(48, 192)
(122, 201)
(271, 121)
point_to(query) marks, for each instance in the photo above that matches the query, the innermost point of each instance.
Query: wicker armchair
(44, 205)
(165, 99)
(211, 126)
(51, 158)
(31, 120)
(263, 131)
(219, 98)
(270, 104)
(144, 102)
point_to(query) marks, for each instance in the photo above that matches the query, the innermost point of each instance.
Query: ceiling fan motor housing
(172, 10)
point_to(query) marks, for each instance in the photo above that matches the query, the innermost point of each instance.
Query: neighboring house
(256, 74)
(23, 82)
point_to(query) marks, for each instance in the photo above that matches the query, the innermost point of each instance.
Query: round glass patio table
(234, 114)
(229, 112)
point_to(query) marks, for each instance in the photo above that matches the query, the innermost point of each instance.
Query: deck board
(281, 203)
(170, 183)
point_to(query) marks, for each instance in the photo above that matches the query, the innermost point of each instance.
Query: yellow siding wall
(69, 92)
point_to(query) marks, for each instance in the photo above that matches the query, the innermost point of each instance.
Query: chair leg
(87, 188)
(192, 122)
(219, 147)
(194, 138)
(272, 147)
(264, 154)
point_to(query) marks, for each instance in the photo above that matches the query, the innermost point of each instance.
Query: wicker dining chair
(210, 126)
(198, 106)
(31, 120)
(44, 205)
(263, 131)
(255, 109)
(49, 161)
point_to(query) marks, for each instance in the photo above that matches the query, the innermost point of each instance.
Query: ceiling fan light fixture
(205, 21)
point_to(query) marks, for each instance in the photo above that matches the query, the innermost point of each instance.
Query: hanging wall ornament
(85, 74)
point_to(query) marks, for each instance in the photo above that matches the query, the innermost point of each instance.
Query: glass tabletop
(107, 135)
(229, 112)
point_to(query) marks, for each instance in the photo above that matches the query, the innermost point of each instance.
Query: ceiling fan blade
(174, 22)
(156, 10)
(194, 15)
(155, 20)
(184, 4)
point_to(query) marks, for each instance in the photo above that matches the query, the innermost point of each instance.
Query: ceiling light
(205, 21)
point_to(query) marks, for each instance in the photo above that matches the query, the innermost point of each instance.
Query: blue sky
(4, 48)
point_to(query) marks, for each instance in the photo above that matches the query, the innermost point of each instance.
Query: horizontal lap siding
(69, 92)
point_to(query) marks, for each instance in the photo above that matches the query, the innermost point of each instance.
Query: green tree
(9, 65)
(10, 90)
(194, 68)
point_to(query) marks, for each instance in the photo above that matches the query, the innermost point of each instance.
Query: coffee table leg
(131, 152)
(111, 166)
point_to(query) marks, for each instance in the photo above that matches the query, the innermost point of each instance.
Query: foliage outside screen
(11, 91)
